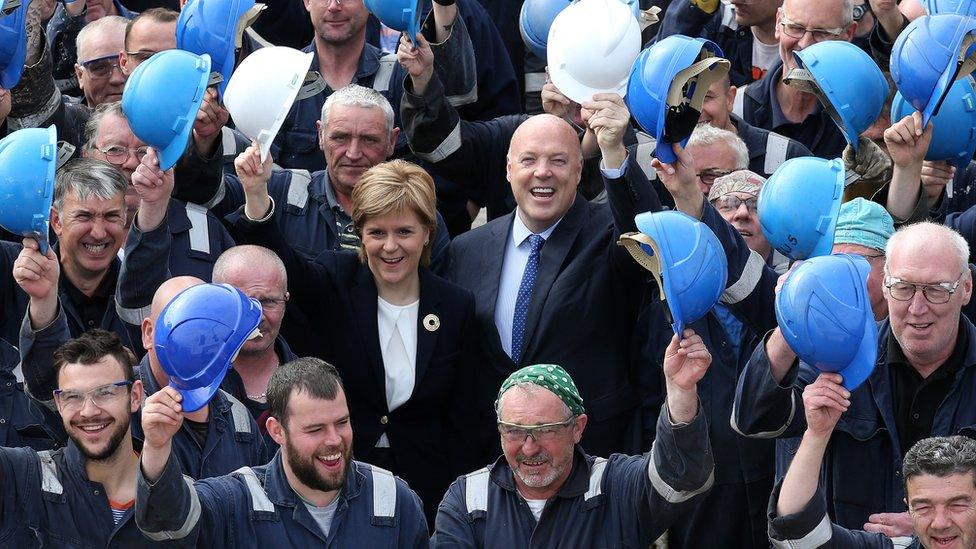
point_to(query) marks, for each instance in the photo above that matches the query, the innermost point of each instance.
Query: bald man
(564, 292)
(219, 438)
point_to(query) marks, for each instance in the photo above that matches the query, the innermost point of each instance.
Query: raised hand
(35, 273)
(417, 60)
(824, 401)
(254, 176)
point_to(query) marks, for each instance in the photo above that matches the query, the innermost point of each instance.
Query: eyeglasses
(709, 175)
(102, 67)
(512, 432)
(141, 55)
(872, 257)
(936, 294)
(118, 155)
(100, 396)
(730, 203)
(798, 31)
(272, 304)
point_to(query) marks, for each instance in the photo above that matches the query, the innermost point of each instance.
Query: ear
(967, 286)
(849, 31)
(276, 430)
(124, 63)
(320, 132)
(730, 98)
(56, 222)
(78, 72)
(147, 333)
(777, 29)
(394, 135)
(579, 427)
(136, 395)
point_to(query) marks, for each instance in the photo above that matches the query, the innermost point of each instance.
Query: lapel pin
(432, 323)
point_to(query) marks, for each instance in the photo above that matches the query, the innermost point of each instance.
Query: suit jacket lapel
(551, 260)
(364, 311)
(491, 274)
(426, 339)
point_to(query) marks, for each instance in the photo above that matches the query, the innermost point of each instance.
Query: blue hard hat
(13, 46)
(161, 100)
(824, 312)
(650, 85)
(799, 204)
(953, 127)
(401, 15)
(535, 18)
(687, 260)
(210, 27)
(935, 7)
(927, 57)
(28, 159)
(849, 84)
(198, 335)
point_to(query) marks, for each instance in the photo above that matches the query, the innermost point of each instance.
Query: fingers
(879, 529)
(551, 93)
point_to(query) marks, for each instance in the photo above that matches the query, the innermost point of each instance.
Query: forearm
(151, 214)
(42, 312)
(781, 356)
(682, 404)
(904, 190)
(37, 354)
(154, 459)
(257, 205)
(443, 20)
(145, 266)
(691, 202)
(803, 476)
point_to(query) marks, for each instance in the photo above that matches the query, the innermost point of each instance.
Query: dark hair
(314, 376)
(92, 346)
(941, 457)
(159, 15)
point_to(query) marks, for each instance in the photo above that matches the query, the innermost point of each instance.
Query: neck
(796, 105)
(404, 292)
(200, 416)
(116, 473)
(317, 498)
(344, 199)
(255, 369)
(86, 282)
(544, 492)
(338, 62)
(537, 227)
(925, 366)
(765, 32)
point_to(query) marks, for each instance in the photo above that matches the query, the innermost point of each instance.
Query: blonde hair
(395, 187)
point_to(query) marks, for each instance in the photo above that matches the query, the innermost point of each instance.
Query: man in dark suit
(550, 283)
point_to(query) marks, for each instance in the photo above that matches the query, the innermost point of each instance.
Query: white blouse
(398, 342)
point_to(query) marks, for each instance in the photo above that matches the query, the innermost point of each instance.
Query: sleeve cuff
(266, 217)
(609, 173)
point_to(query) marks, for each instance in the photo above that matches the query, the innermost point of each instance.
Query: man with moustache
(80, 495)
(312, 493)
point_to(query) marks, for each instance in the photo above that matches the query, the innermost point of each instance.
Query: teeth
(331, 457)
(544, 191)
(391, 261)
(91, 428)
(95, 248)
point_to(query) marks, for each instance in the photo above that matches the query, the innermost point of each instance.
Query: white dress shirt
(398, 342)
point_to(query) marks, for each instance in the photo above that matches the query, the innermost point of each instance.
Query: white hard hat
(591, 48)
(262, 91)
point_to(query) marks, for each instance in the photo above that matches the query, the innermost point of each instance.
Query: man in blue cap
(545, 490)
(921, 387)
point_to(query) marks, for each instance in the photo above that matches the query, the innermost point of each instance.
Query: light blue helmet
(13, 44)
(211, 27)
(686, 259)
(161, 100)
(931, 53)
(847, 82)
(824, 312)
(666, 108)
(799, 204)
(198, 335)
(400, 15)
(28, 160)
(963, 7)
(535, 18)
(953, 127)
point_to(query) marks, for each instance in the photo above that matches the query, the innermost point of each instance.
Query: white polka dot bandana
(551, 377)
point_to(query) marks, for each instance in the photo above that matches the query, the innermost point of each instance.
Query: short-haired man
(717, 152)
(81, 494)
(97, 70)
(772, 104)
(767, 150)
(219, 438)
(939, 482)
(318, 495)
(921, 386)
(545, 490)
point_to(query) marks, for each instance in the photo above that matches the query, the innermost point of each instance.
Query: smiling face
(337, 22)
(98, 430)
(925, 331)
(540, 467)
(146, 37)
(316, 440)
(943, 510)
(114, 131)
(103, 46)
(718, 104)
(745, 221)
(710, 159)
(812, 14)
(394, 245)
(354, 140)
(544, 168)
(90, 232)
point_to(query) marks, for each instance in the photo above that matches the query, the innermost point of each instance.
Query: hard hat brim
(861, 368)
(172, 152)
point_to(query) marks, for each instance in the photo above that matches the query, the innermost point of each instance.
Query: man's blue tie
(524, 296)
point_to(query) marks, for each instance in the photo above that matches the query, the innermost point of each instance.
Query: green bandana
(548, 376)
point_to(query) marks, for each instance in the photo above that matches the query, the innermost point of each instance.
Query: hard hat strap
(803, 80)
(65, 150)
(632, 243)
(313, 85)
(687, 93)
(648, 17)
(246, 20)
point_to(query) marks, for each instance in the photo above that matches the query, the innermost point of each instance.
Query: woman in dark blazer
(403, 339)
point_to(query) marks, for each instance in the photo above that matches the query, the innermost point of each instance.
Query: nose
(332, 437)
(918, 304)
(941, 520)
(806, 41)
(742, 212)
(353, 151)
(389, 243)
(529, 446)
(88, 408)
(130, 164)
(116, 76)
(98, 228)
(542, 169)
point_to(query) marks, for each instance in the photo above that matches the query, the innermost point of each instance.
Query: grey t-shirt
(323, 515)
